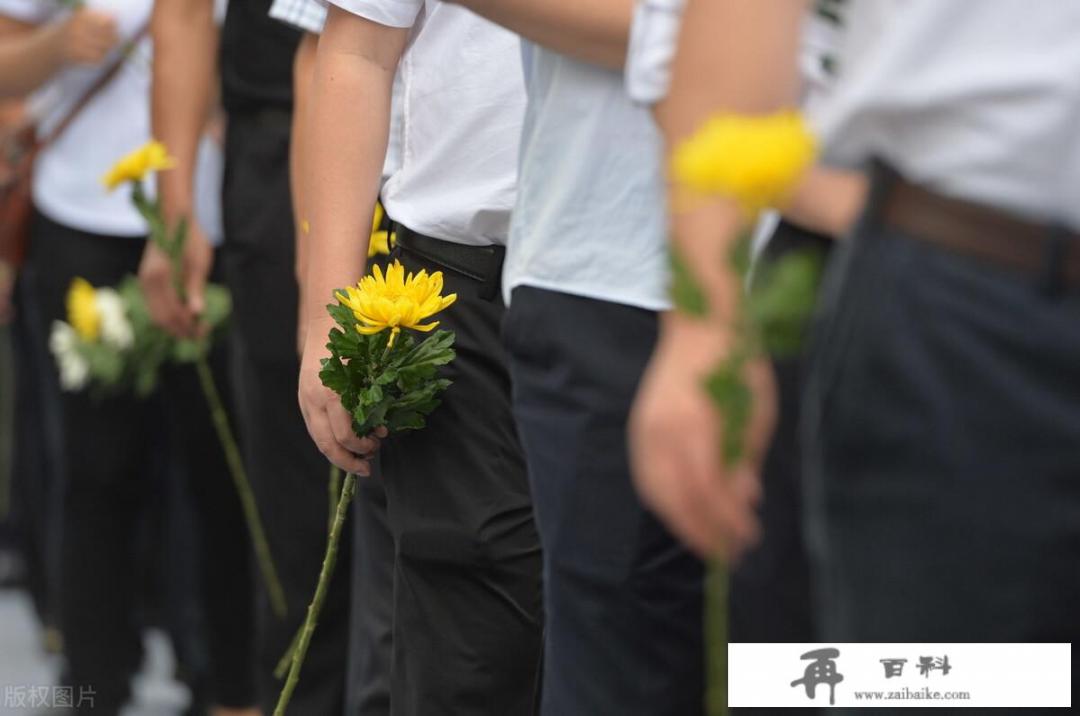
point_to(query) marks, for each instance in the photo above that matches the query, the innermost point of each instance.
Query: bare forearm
(303, 79)
(596, 31)
(29, 56)
(346, 145)
(184, 80)
(734, 56)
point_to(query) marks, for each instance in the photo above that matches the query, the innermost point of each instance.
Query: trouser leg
(372, 612)
(623, 598)
(226, 570)
(288, 473)
(944, 417)
(104, 487)
(467, 586)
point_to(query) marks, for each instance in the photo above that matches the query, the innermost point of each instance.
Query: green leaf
(686, 293)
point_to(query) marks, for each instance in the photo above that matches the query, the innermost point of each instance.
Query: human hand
(179, 317)
(88, 36)
(328, 423)
(676, 438)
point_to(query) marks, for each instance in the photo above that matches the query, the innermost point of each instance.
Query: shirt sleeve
(392, 13)
(653, 38)
(33, 11)
(307, 15)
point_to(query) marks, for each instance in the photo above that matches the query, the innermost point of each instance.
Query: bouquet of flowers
(386, 377)
(756, 162)
(109, 342)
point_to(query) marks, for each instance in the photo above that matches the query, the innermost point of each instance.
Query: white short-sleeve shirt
(979, 100)
(310, 16)
(590, 218)
(67, 177)
(461, 106)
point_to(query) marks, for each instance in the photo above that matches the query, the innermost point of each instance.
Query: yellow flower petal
(395, 300)
(83, 313)
(151, 157)
(757, 161)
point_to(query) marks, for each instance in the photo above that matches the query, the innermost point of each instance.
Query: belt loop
(1055, 256)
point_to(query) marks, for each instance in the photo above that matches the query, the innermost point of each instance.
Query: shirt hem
(648, 304)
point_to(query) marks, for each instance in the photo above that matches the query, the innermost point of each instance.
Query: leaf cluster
(137, 369)
(396, 384)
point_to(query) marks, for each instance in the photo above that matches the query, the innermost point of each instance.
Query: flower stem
(335, 493)
(716, 638)
(348, 489)
(243, 487)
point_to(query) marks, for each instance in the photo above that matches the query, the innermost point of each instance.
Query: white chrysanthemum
(74, 369)
(115, 327)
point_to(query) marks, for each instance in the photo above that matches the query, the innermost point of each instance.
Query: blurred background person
(371, 589)
(258, 260)
(89, 70)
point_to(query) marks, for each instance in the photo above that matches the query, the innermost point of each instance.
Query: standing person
(367, 685)
(467, 587)
(288, 475)
(80, 230)
(942, 410)
(587, 280)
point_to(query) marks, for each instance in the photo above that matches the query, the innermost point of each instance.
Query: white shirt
(590, 217)
(462, 103)
(653, 41)
(979, 100)
(310, 16)
(67, 176)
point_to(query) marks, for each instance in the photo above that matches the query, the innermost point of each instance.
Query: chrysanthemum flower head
(151, 157)
(82, 309)
(755, 160)
(396, 300)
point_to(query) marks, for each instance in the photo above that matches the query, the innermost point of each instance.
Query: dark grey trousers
(943, 421)
(623, 598)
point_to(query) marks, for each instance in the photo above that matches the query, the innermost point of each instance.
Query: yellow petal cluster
(82, 309)
(396, 300)
(151, 157)
(380, 240)
(755, 160)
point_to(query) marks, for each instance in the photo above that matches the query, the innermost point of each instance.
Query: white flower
(74, 369)
(115, 327)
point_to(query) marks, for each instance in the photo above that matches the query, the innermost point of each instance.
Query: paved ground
(24, 664)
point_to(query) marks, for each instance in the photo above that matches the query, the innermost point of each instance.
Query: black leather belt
(482, 264)
(1045, 251)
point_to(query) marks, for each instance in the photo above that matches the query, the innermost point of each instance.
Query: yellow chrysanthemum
(82, 308)
(381, 241)
(396, 300)
(755, 160)
(151, 157)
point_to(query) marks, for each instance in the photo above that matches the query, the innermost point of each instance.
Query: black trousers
(944, 448)
(771, 597)
(288, 473)
(106, 445)
(623, 598)
(367, 691)
(467, 586)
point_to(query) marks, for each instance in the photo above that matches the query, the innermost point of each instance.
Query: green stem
(285, 661)
(312, 619)
(335, 493)
(716, 638)
(243, 487)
